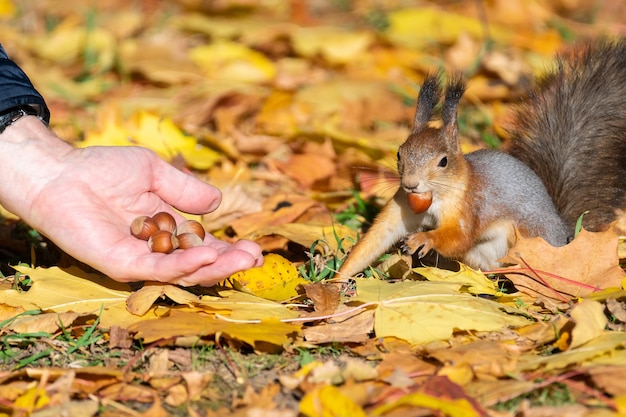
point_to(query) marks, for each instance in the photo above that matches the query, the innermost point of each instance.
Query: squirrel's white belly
(492, 245)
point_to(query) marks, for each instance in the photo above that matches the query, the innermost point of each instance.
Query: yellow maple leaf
(62, 290)
(7, 8)
(276, 280)
(450, 407)
(475, 281)
(156, 133)
(335, 45)
(230, 61)
(329, 401)
(421, 312)
(185, 322)
(421, 25)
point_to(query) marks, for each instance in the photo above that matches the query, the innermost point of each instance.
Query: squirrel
(566, 157)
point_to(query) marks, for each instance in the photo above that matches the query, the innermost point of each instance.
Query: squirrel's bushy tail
(571, 131)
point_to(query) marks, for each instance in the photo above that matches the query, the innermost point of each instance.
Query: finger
(225, 265)
(195, 266)
(183, 191)
(149, 266)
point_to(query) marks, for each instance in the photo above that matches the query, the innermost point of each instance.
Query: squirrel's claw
(419, 242)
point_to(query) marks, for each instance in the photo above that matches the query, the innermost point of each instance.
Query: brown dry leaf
(610, 378)
(405, 359)
(157, 60)
(354, 327)
(307, 169)
(588, 264)
(142, 300)
(484, 359)
(236, 203)
(278, 209)
(617, 309)
(328, 238)
(325, 296)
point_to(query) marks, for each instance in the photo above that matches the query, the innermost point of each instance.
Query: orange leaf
(587, 264)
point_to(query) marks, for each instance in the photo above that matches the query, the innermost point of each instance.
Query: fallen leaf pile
(295, 110)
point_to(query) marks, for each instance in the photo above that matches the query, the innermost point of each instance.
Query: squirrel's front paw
(417, 241)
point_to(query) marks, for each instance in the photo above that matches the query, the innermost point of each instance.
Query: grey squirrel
(567, 156)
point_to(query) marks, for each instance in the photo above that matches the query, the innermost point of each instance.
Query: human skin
(84, 200)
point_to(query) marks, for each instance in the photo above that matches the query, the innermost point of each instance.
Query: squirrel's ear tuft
(429, 96)
(454, 91)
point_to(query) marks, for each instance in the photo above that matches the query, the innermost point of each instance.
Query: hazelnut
(165, 221)
(163, 241)
(420, 202)
(189, 240)
(143, 227)
(191, 226)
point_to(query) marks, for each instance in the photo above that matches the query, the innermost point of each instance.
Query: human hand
(85, 200)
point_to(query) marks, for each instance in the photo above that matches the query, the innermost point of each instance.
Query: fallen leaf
(609, 378)
(74, 290)
(595, 351)
(181, 323)
(587, 264)
(590, 322)
(421, 312)
(225, 60)
(475, 281)
(62, 290)
(460, 408)
(434, 24)
(157, 133)
(308, 168)
(334, 44)
(329, 401)
(351, 328)
(617, 309)
(47, 322)
(236, 203)
(324, 295)
(321, 238)
(277, 279)
(277, 210)
(239, 305)
(142, 300)
(486, 359)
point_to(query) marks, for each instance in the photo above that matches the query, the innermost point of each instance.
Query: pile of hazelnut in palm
(164, 236)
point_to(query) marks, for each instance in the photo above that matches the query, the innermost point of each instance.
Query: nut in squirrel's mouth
(419, 202)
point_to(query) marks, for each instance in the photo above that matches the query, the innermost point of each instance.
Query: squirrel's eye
(398, 156)
(443, 162)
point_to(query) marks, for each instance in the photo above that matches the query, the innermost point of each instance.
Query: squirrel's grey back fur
(571, 131)
(511, 180)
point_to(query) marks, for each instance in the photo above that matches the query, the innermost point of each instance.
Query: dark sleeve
(17, 90)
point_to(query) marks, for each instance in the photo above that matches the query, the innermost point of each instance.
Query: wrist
(13, 114)
(31, 156)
